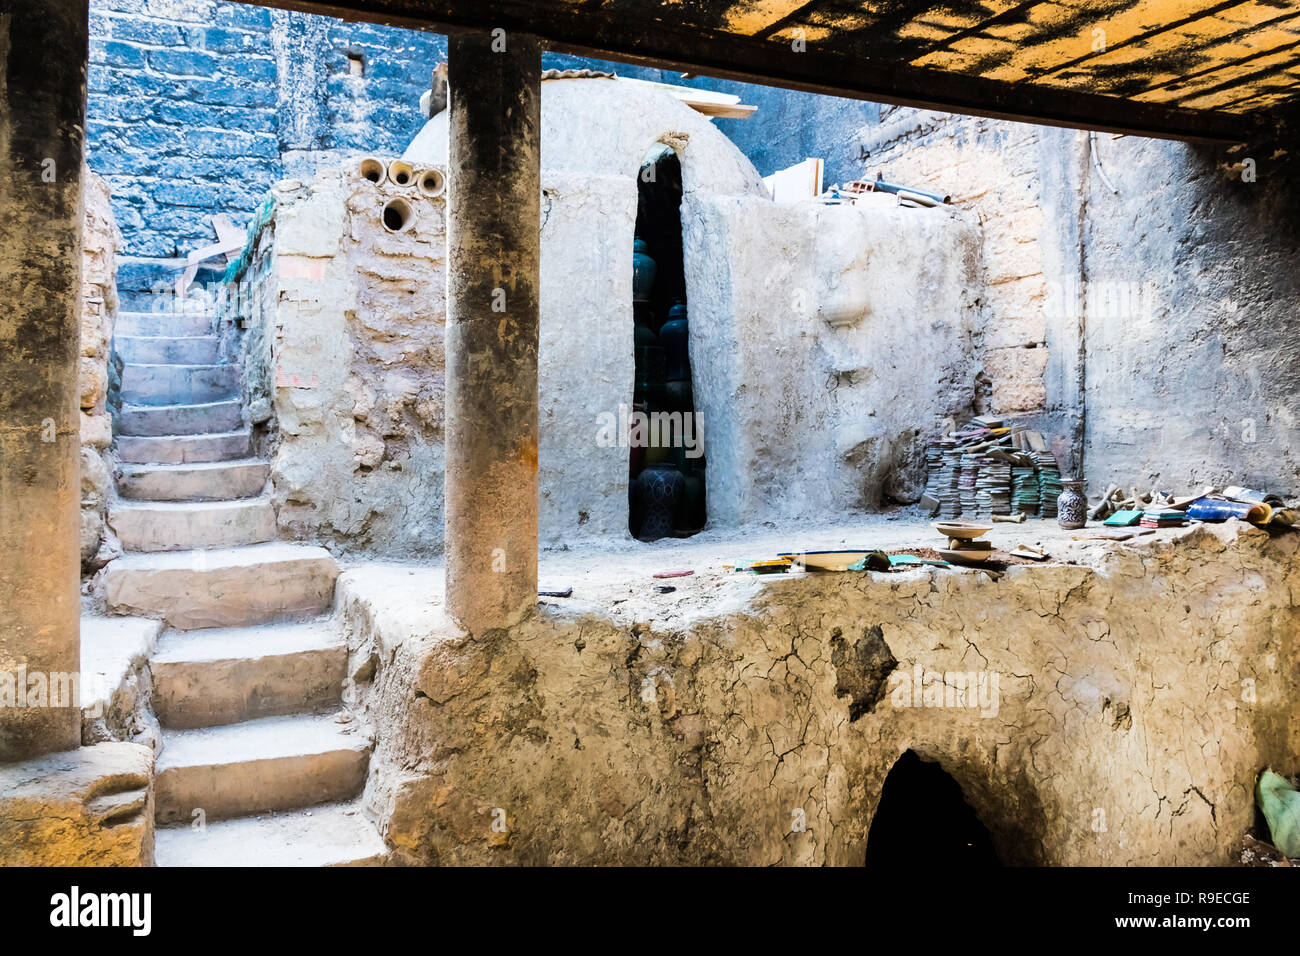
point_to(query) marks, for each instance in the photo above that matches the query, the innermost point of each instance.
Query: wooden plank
(844, 65)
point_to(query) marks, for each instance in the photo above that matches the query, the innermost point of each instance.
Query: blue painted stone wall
(196, 106)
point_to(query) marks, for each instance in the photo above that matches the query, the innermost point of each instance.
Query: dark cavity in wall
(666, 486)
(923, 820)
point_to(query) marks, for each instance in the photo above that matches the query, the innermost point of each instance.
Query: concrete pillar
(43, 50)
(493, 284)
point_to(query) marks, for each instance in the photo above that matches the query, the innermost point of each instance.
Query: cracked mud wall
(1137, 698)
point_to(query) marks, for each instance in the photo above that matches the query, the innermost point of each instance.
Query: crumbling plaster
(1139, 692)
(345, 363)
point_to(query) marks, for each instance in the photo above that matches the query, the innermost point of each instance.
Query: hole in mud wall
(431, 183)
(923, 819)
(397, 215)
(666, 461)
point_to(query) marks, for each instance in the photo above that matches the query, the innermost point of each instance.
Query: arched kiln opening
(923, 819)
(666, 460)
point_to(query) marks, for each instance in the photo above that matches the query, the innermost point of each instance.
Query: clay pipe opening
(431, 183)
(400, 173)
(371, 169)
(397, 215)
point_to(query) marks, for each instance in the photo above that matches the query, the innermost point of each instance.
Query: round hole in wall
(401, 173)
(371, 169)
(397, 215)
(431, 183)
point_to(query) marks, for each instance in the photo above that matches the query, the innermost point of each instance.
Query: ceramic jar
(643, 271)
(1072, 505)
(673, 338)
(658, 493)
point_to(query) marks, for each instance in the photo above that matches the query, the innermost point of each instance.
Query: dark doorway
(923, 820)
(666, 462)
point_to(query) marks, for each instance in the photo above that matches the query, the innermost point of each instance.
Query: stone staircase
(260, 764)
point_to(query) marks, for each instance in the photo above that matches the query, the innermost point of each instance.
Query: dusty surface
(1139, 691)
(115, 682)
(87, 807)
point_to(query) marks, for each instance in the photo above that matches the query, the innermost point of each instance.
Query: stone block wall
(100, 241)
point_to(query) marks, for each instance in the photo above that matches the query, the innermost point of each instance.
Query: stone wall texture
(92, 806)
(1139, 692)
(344, 362)
(196, 107)
(100, 241)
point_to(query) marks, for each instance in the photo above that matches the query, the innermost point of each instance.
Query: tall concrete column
(43, 50)
(493, 283)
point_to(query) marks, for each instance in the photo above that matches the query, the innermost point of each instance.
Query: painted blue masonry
(196, 106)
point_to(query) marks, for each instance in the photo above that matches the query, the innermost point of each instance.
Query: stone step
(275, 763)
(178, 384)
(157, 420)
(167, 349)
(333, 835)
(185, 449)
(224, 675)
(226, 588)
(204, 481)
(170, 324)
(186, 525)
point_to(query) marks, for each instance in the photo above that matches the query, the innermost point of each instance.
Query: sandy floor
(623, 570)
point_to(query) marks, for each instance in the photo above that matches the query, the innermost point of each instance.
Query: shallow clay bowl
(961, 530)
(974, 558)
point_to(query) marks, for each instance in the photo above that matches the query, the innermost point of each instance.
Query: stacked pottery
(643, 271)
(677, 361)
(1072, 506)
(649, 356)
(691, 514)
(658, 494)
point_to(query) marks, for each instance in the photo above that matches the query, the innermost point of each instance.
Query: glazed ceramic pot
(643, 271)
(690, 516)
(678, 396)
(673, 337)
(1072, 505)
(649, 372)
(658, 495)
(643, 335)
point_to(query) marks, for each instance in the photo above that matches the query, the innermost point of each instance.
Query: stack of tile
(933, 476)
(970, 466)
(992, 488)
(949, 495)
(1024, 490)
(1163, 518)
(1049, 483)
